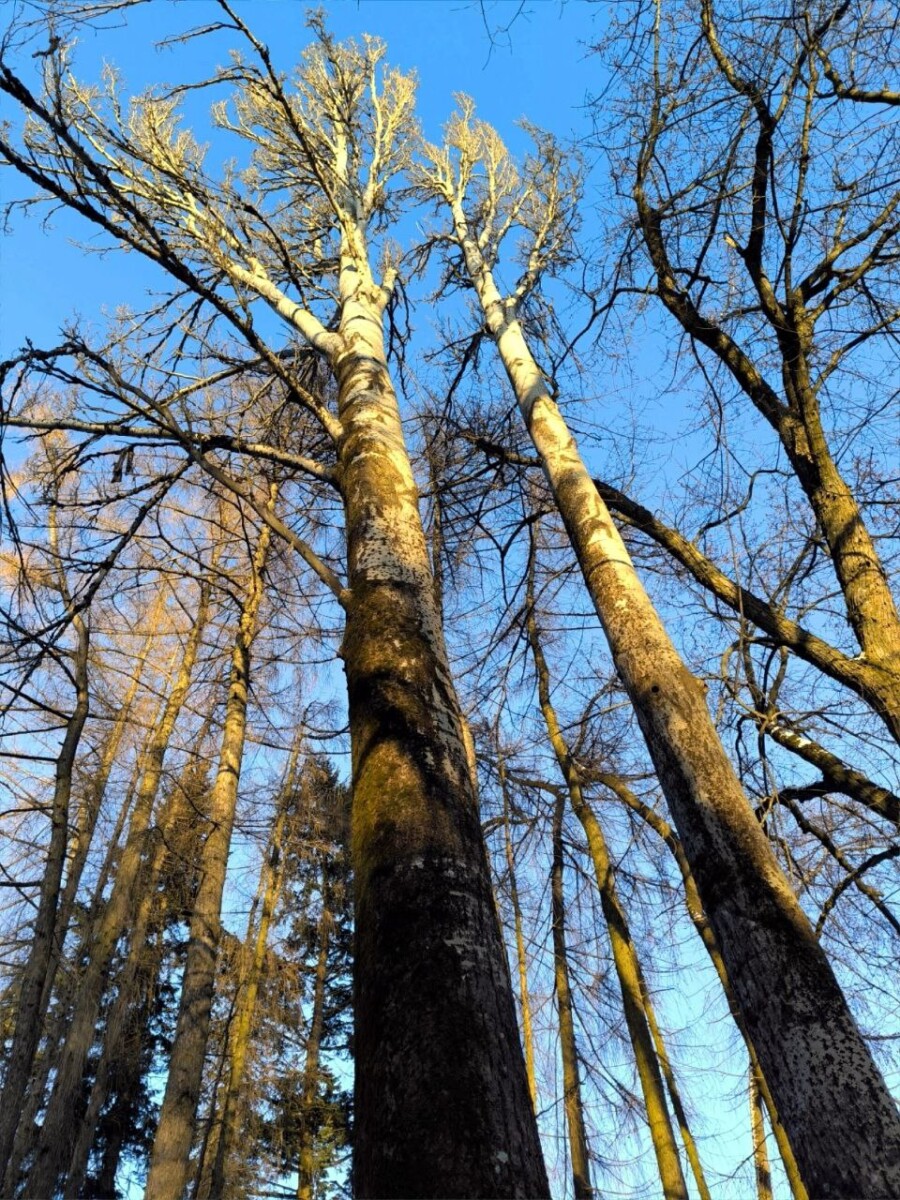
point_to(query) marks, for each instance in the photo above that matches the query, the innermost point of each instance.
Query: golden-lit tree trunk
(758, 1131)
(698, 918)
(521, 955)
(572, 1103)
(170, 1158)
(822, 1076)
(213, 1183)
(57, 1135)
(442, 1100)
(624, 957)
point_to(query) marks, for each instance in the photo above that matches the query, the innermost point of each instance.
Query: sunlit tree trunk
(306, 1164)
(572, 1104)
(699, 920)
(212, 1183)
(521, 955)
(170, 1158)
(822, 1076)
(57, 1133)
(758, 1131)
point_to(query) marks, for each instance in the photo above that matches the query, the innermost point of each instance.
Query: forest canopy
(450, 655)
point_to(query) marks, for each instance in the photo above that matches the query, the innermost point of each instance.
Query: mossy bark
(442, 1103)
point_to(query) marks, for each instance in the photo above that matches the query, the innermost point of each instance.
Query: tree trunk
(621, 944)
(574, 1109)
(442, 1100)
(170, 1158)
(238, 1047)
(306, 1164)
(57, 1133)
(45, 952)
(823, 1078)
(707, 936)
(758, 1131)
(521, 956)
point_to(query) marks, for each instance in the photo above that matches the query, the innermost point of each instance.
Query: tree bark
(442, 1100)
(57, 1135)
(170, 1158)
(306, 1164)
(823, 1078)
(758, 1131)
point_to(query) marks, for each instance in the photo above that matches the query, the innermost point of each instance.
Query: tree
(438, 1058)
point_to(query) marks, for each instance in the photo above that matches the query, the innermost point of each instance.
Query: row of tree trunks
(170, 1158)
(624, 956)
(57, 1136)
(818, 1067)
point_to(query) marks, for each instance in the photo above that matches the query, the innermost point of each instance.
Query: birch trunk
(823, 1079)
(442, 1100)
(572, 1104)
(44, 952)
(57, 1133)
(170, 1158)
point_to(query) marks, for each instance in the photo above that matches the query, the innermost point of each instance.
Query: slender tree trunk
(306, 1164)
(574, 1109)
(270, 879)
(44, 953)
(705, 931)
(825, 1083)
(621, 944)
(135, 978)
(521, 956)
(170, 1158)
(758, 1130)
(442, 1100)
(57, 1133)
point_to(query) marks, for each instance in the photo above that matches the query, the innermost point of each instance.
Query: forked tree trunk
(442, 1100)
(572, 1104)
(44, 954)
(830, 1094)
(621, 944)
(170, 1158)
(57, 1134)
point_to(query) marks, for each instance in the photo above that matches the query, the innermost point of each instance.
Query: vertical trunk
(44, 951)
(57, 1133)
(621, 944)
(270, 880)
(521, 957)
(441, 1097)
(704, 929)
(136, 977)
(170, 1158)
(578, 1147)
(758, 1131)
(306, 1165)
(825, 1083)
